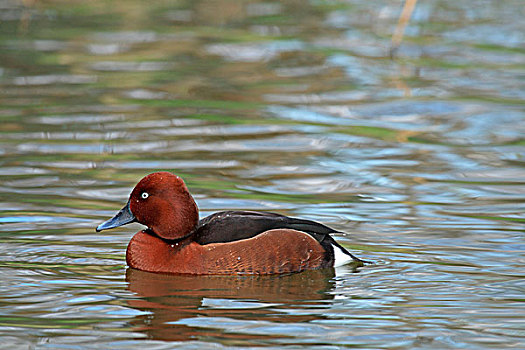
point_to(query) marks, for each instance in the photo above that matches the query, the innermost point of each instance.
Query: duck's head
(161, 201)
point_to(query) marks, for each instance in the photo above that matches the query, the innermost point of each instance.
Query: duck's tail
(343, 256)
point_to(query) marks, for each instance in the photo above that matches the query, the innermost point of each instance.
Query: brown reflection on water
(170, 298)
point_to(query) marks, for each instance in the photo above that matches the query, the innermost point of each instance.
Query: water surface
(293, 107)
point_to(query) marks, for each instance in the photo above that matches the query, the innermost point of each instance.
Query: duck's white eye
(144, 195)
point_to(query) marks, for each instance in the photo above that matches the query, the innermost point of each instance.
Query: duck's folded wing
(229, 226)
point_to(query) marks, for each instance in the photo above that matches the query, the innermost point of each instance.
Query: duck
(233, 242)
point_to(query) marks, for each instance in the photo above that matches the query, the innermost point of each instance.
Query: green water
(294, 107)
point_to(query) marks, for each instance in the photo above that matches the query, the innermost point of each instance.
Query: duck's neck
(174, 216)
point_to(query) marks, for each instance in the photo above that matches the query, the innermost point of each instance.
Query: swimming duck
(227, 242)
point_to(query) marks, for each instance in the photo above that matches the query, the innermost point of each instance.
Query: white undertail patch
(340, 258)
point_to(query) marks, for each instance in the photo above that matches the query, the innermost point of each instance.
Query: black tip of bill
(123, 217)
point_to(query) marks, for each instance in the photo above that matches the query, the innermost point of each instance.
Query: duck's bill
(123, 217)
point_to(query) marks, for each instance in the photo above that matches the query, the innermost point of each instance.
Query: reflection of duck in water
(229, 242)
(172, 299)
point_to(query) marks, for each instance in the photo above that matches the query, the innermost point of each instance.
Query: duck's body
(271, 252)
(228, 242)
